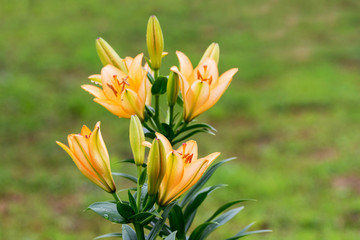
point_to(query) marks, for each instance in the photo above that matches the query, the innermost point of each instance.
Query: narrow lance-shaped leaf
(244, 232)
(125, 175)
(177, 221)
(219, 221)
(226, 206)
(202, 181)
(159, 224)
(196, 201)
(198, 231)
(109, 235)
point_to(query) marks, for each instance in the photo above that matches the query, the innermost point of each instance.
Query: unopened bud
(155, 42)
(108, 55)
(213, 52)
(172, 89)
(156, 166)
(137, 137)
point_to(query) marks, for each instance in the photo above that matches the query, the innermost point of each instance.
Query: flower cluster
(131, 89)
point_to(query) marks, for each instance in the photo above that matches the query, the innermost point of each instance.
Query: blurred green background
(291, 115)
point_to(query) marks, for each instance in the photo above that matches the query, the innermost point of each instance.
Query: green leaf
(142, 177)
(125, 210)
(167, 131)
(243, 232)
(150, 135)
(145, 217)
(108, 211)
(219, 221)
(180, 101)
(132, 201)
(200, 125)
(196, 234)
(172, 236)
(125, 175)
(159, 224)
(226, 206)
(128, 233)
(150, 77)
(202, 181)
(159, 86)
(131, 161)
(177, 221)
(196, 201)
(110, 235)
(182, 138)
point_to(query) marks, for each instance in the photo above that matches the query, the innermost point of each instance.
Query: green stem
(138, 194)
(116, 197)
(157, 111)
(139, 231)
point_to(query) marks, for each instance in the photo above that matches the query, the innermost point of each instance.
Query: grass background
(291, 115)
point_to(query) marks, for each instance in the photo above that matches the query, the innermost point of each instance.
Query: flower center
(204, 77)
(119, 84)
(186, 157)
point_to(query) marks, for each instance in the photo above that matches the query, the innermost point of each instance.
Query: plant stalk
(139, 231)
(138, 194)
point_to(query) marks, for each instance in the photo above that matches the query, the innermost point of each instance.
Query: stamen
(112, 88)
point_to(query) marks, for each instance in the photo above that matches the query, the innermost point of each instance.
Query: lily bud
(213, 52)
(172, 88)
(155, 42)
(156, 166)
(137, 137)
(108, 55)
(89, 153)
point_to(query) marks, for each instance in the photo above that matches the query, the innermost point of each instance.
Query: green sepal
(108, 235)
(159, 86)
(128, 233)
(177, 222)
(125, 210)
(108, 211)
(202, 181)
(244, 232)
(125, 175)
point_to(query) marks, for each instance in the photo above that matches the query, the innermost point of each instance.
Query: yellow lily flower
(121, 93)
(201, 87)
(183, 169)
(89, 153)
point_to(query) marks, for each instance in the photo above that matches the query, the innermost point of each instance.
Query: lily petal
(166, 143)
(186, 67)
(95, 91)
(112, 107)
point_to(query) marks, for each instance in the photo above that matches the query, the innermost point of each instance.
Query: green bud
(108, 55)
(213, 52)
(137, 138)
(156, 166)
(172, 89)
(155, 42)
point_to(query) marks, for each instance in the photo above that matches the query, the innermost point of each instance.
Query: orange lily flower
(123, 94)
(89, 153)
(201, 87)
(183, 169)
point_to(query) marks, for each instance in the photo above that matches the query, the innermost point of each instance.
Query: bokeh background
(291, 115)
